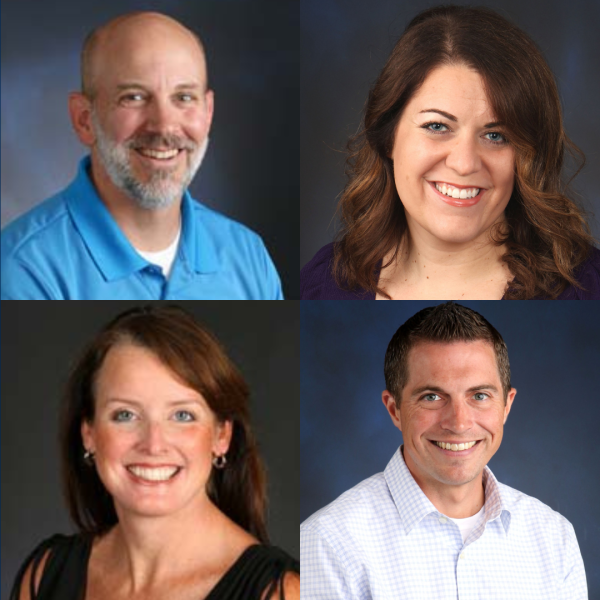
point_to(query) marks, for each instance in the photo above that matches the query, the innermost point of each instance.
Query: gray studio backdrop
(40, 341)
(550, 447)
(344, 47)
(251, 169)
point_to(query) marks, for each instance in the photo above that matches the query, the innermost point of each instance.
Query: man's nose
(457, 417)
(464, 155)
(161, 115)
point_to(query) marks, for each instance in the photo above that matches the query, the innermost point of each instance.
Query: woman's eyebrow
(453, 118)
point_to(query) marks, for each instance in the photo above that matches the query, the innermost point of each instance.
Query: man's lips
(159, 154)
(456, 452)
(459, 202)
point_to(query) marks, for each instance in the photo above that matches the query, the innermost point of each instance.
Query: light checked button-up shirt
(70, 248)
(385, 540)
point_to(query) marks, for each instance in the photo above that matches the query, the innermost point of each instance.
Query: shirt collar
(413, 505)
(110, 249)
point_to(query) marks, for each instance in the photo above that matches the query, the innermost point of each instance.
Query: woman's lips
(460, 202)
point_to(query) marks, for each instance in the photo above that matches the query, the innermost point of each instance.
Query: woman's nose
(463, 156)
(153, 440)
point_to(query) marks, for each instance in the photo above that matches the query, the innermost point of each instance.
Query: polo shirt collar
(110, 249)
(413, 505)
(197, 242)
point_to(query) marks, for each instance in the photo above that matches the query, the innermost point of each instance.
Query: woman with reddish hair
(161, 473)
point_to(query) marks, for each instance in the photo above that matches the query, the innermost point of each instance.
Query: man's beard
(162, 188)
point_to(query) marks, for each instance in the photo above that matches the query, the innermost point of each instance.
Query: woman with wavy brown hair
(455, 188)
(161, 474)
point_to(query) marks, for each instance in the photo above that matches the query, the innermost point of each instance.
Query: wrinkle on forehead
(122, 35)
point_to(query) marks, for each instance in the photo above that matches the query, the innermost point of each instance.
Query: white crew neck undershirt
(467, 525)
(163, 258)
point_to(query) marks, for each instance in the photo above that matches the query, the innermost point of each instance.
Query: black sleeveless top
(258, 570)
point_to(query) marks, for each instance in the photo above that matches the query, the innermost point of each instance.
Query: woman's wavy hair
(546, 235)
(197, 359)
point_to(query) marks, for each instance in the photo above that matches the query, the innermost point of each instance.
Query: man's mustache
(155, 141)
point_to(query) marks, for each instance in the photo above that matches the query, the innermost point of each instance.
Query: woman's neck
(148, 551)
(426, 268)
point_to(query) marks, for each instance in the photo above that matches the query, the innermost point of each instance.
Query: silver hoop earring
(88, 458)
(219, 462)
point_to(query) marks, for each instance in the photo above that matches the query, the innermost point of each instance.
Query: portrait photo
(449, 147)
(121, 417)
(350, 447)
(248, 176)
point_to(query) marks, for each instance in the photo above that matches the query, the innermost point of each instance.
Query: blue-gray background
(251, 169)
(39, 342)
(345, 44)
(550, 448)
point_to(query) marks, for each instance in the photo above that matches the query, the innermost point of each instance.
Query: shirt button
(443, 520)
(462, 555)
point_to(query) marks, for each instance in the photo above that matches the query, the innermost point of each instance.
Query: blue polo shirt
(70, 248)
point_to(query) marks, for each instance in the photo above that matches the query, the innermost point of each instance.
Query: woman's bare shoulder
(291, 588)
(37, 566)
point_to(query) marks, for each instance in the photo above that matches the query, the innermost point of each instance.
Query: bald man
(126, 227)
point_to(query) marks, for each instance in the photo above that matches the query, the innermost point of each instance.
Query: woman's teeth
(456, 447)
(453, 192)
(154, 474)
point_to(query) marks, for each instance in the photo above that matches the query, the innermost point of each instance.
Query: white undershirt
(163, 258)
(467, 525)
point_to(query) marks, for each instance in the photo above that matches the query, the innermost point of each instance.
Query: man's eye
(480, 396)
(430, 397)
(186, 98)
(133, 97)
(184, 415)
(123, 416)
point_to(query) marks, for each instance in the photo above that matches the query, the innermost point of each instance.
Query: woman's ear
(87, 435)
(223, 437)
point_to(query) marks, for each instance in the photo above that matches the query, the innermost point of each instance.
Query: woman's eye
(435, 127)
(495, 137)
(123, 416)
(184, 416)
(430, 397)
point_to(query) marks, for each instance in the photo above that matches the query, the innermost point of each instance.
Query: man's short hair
(444, 323)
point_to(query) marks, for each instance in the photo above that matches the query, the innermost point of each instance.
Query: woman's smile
(457, 196)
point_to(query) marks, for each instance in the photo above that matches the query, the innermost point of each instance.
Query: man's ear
(209, 99)
(80, 111)
(509, 400)
(390, 404)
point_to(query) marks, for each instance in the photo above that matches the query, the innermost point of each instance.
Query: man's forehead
(129, 47)
(465, 356)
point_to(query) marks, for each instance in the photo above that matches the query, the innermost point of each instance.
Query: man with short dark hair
(127, 228)
(437, 523)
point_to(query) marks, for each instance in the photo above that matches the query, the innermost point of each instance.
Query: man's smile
(456, 449)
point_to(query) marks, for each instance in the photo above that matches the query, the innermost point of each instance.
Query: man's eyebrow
(484, 386)
(453, 118)
(129, 85)
(437, 389)
(426, 388)
(134, 85)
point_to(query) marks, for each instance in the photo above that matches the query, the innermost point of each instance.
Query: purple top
(317, 282)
